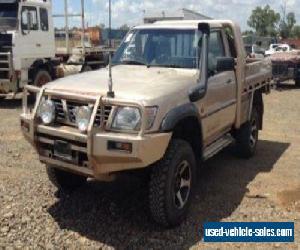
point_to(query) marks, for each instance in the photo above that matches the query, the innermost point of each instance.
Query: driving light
(127, 118)
(47, 111)
(83, 117)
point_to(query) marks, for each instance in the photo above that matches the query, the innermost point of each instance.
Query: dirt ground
(115, 216)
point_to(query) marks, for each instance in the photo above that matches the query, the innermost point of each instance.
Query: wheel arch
(185, 123)
(44, 64)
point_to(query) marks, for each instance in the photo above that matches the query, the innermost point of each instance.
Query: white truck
(27, 47)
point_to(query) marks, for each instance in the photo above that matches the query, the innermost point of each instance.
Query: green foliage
(248, 32)
(287, 25)
(296, 31)
(124, 27)
(264, 21)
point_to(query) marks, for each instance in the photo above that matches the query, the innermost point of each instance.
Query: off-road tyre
(41, 78)
(86, 68)
(63, 180)
(247, 136)
(162, 204)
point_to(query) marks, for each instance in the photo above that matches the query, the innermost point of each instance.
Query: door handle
(38, 45)
(229, 81)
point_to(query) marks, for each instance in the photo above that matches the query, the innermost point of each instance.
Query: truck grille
(65, 112)
(280, 69)
(5, 56)
(5, 65)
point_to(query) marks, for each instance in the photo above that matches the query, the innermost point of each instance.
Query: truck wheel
(247, 136)
(41, 78)
(171, 184)
(86, 68)
(65, 181)
(297, 82)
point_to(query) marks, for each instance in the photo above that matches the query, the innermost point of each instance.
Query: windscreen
(8, 16)
(159, 47)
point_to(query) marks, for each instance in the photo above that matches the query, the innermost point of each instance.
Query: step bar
(217, 146)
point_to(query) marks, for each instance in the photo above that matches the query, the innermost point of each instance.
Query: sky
(131, 12)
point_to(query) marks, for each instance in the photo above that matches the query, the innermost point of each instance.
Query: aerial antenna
(110, 92)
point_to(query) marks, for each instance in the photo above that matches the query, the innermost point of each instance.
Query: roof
(188, 24)
(8, 1)
(162, 13)
(174, 14)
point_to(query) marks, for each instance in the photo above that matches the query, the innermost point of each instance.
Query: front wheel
(86, 68)
(41, 78)
(247, 136)
(297, 82)
(171, 184)
(64, 181)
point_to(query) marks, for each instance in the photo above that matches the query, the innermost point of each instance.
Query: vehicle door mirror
(225, 64)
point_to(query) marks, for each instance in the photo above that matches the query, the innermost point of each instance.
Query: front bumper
(91, 153)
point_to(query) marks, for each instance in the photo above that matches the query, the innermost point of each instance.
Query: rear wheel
(247, 136)
(171, 184)
(297, 82)
(65, 181)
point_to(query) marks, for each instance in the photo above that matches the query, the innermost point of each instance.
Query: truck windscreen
(8, 16)
(159, 47)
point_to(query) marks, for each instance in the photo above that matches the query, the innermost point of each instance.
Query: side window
(44, 19)
(29, 18)
(216, 49)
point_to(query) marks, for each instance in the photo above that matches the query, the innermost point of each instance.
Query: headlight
(47, 111)
(83, 117)
(129, 118)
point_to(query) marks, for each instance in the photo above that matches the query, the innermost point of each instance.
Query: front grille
(59, 109)
(107, 112)
(65, 112)
(280, 69)
(5, 65)
(5, 56)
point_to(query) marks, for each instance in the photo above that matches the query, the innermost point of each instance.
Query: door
(36, 39)
(30, 32)
(219, 105)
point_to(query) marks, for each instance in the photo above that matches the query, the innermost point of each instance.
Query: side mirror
(197, 93)
(225, 64)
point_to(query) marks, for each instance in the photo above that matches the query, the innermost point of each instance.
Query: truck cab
(26, 44)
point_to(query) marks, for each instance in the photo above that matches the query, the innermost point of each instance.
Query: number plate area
(63, 150)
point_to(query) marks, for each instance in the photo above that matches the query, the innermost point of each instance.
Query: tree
(287, 22)
(290, 20)
(296, 31)
(264, 21)
(124, 27)
(248, 32)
